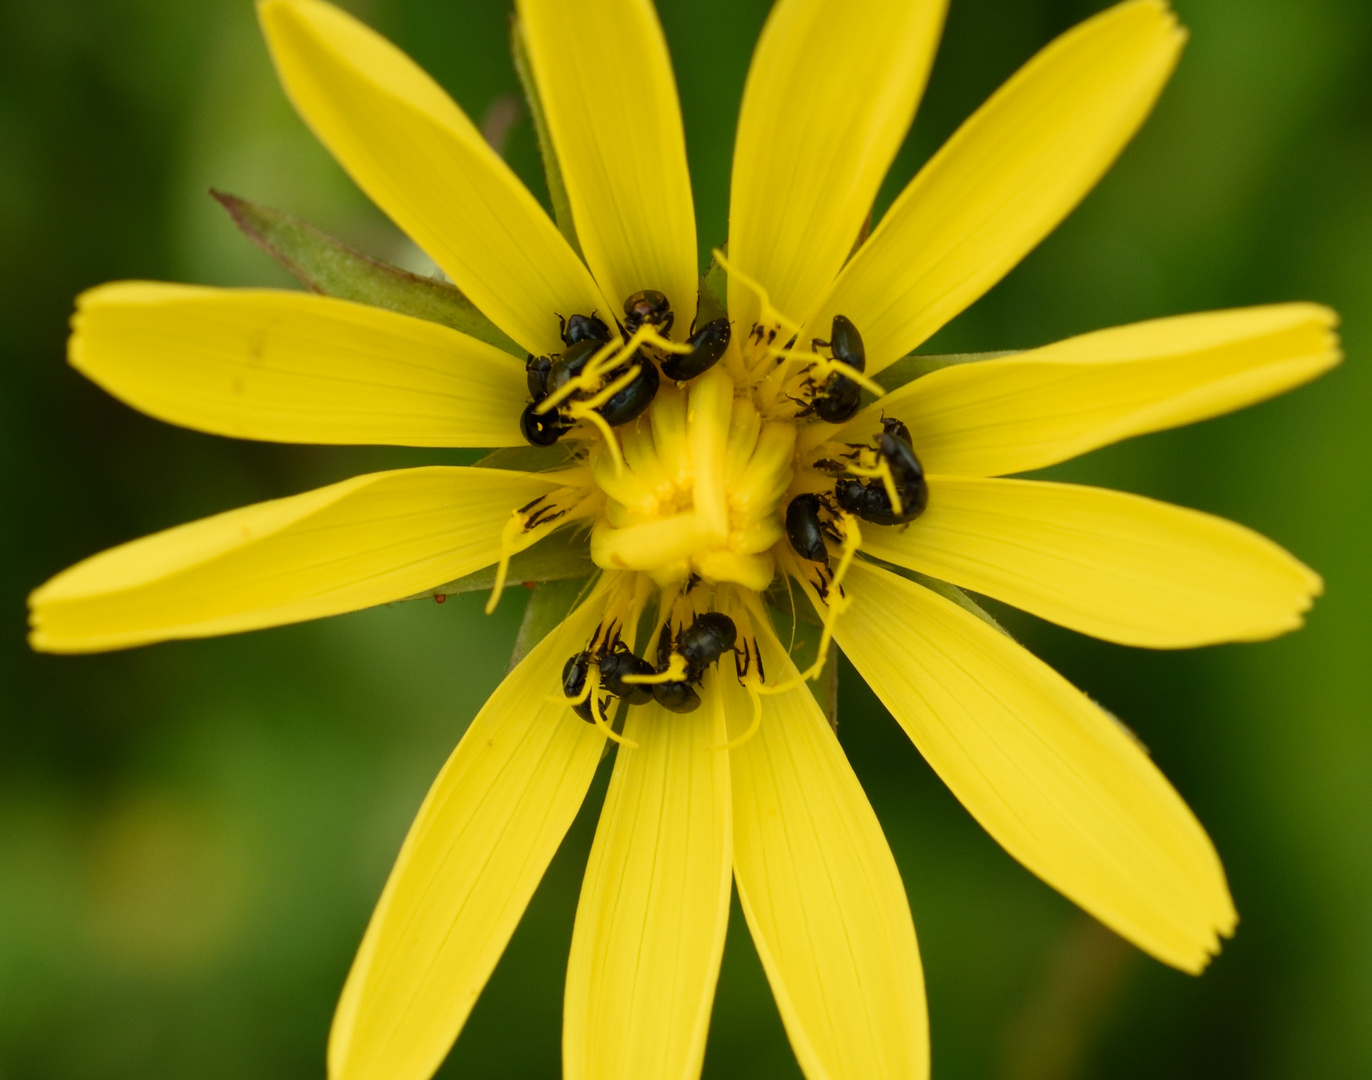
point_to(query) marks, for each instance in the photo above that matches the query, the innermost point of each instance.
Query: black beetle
(536, 370)
(707, 344)
(617, 663)
(870, 501)
(867, 501)
(706, 639)
(583, 328)
(634, 398)
(838, 400)
(676, 696)
(574, 673)
(844, 344)
(572, 363)
(805, 530)
(894, 446)
(647, 306)
(542, 429)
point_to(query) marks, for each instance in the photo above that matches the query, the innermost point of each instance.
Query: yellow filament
(755, 695)
(675, 672)
(766, 313)
(508, 538)
(614, 388)
(827, 365)
(571, 702)
(835, 605)
(605, 358)
(778, 377)
(650, 335)
(593, 684)
(888, 481)
(581, 411)
(756, 287)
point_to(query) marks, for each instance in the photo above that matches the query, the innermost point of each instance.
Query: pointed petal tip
(1321, 316)
(1221, 930)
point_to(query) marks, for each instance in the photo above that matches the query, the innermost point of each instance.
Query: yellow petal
(1117, 566)
(1005, 179)
(474, 855)
(654, 905)
(350, 545)
(1058, 782)
(1044, 406)
(295, 367)
(830, 94)
(422, 161)
(606, 84)
(821, 893)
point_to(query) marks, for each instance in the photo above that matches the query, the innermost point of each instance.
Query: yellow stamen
(675, 672)
(593, 683)
(835, 604)
(608, 357)
(756, 288)
(828, 365)
(615, 387)
(581, 411)
(755, 695)
(605, 358)
(883, 470)
(767, 312)
(571, 702)
(509, 535)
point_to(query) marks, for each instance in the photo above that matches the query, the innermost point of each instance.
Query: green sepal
(557, 188)
(715, 285)
(325, 265)
(708, 306)
(561, 556)
(909, 368)
(548, 605)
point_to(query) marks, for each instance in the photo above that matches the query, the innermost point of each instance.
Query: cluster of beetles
(586, 335)
(810, 517)
(708, 637)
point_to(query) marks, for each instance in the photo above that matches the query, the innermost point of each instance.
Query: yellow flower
(684, 509)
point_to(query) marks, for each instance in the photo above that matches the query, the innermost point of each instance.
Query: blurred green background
(192, 835)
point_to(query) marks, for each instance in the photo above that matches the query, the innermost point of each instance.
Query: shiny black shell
(870, 502)
(676, 697)
(571, 363)
(706, 639)
(536, 370)
(845, 343)
(615, 665)
(630, 402)
(838, 400)
(893, 444)
(583, 328)
(574, 673)
(708, 344)
(804, 530)
(542, 430)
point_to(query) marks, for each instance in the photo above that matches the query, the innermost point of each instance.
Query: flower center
(698, 488)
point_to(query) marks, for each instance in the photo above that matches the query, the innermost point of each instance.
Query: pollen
(700, 489)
